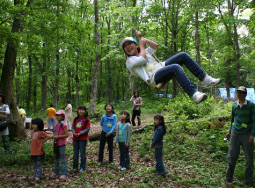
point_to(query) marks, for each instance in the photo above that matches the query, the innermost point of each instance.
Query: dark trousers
(160, 168)
(236, 141)
(6, 142)
(109, 140)
(37, 163)
(134, 114)
(124, 155)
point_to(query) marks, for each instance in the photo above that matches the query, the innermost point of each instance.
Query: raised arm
(151, 43)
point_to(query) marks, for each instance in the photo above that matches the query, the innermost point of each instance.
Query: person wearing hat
(241, 133)
(60, 135)
(140, 62)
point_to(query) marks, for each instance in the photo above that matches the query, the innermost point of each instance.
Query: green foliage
(20, 155)
(182, 107)
(194, 155)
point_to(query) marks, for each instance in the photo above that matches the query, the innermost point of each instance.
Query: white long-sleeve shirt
(144, 68)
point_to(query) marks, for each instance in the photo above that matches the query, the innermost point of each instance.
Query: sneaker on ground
(53, 175)
(99, 163)
(119, 167)
(199, 97)
(75, 170)
(82, 170)
(209, 81)
(123, 168)
(63, 177)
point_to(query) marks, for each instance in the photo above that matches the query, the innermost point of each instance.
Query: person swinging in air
(140, 62)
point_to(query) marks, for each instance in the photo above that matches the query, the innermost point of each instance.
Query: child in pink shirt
(60, 135)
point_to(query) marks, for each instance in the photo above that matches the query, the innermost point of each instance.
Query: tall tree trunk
(236, 55)
(208, 53)
(44, 82)
(92, 105)
(174, 32)
(57, 65)
(117, 86)
(15, 123)
(29, 90)
(110, 83)
(100, 88)
(17, 80)
(57, 80)
(35, 94)
(227, 80)
(197, 36)
(77, 85)
(100, 82)
(166, 45)
(68, 94)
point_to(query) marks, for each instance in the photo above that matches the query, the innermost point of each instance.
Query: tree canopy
(56, 45)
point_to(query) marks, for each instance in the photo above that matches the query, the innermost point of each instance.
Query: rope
(135, 27)
(127, 15)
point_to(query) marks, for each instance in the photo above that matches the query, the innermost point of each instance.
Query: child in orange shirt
(37, 152)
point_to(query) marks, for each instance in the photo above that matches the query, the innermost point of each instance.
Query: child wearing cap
(60, 135)
(140, 62)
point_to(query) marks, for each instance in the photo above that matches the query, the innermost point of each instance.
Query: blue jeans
(37, 163)
(61, 158)
(51, 121)
(6, 142)
(124, 155)
(109, 140)
(160, 169)
(173, 68)
(237, 140)
(79, 145)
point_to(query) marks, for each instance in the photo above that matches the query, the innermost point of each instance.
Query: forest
(53, 50)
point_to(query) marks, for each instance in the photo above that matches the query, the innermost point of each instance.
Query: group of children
(80, 129)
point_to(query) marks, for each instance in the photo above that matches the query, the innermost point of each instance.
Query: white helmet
(127, 39)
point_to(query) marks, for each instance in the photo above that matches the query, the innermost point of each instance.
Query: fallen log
(137, 129)
(96, 135)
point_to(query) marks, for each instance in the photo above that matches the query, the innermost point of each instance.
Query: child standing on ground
(123, 138)
(108, 122)
(38, 136)
(80, 130)
(60, 135)
(157, 143)
(136, 110)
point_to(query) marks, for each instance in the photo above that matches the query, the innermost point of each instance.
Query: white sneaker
(123, 168)
(209, 81)
(199, 97)
(81, 170)
(119, 167)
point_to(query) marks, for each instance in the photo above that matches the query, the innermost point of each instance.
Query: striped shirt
(243, 118)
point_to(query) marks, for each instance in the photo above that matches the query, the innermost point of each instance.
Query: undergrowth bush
(184, 108)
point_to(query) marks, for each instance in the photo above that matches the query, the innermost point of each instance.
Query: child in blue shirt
(157, 143)
(108, 122)
(123, 138)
